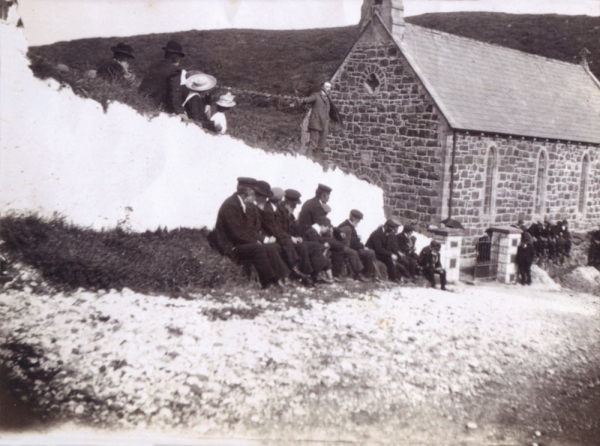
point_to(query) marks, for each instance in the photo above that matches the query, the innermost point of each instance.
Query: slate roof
(489, 88)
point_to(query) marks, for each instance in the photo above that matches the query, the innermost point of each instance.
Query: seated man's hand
(394, 257)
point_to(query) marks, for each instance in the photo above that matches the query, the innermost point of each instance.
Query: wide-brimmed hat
(226, 100)
(174, 47)
(263, 188)
(123, 48)
(200, 81)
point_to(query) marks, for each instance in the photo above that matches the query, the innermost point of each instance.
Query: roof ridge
(494, 45)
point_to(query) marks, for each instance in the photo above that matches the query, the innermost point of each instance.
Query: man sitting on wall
(430, 261)
(234, 235)
(354, 245)
(383, 242)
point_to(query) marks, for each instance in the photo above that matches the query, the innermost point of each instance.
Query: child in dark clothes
(525, 255)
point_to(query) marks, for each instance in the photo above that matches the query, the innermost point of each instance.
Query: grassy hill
(294, 63)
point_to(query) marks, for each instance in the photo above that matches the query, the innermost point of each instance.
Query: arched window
(583, 185)
(540, 186)
(490, 182)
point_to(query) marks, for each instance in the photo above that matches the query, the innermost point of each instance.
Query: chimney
(392, 13)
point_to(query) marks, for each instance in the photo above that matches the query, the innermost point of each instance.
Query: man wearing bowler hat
(234, 235)
(353, 243)
(117, 68)
(163, 82)
(313, 209)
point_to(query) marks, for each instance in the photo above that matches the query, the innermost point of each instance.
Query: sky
(48, 21)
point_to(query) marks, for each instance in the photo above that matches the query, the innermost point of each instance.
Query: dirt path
(482, 365)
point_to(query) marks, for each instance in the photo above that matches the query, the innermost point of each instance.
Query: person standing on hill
(163, 81)
(321, 113)
(117, 68)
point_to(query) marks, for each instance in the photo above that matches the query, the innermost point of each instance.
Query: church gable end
(393, 132)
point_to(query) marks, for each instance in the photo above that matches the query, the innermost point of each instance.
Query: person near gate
(430, 260)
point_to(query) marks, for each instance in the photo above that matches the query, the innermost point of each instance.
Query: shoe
(362, 278)
(297, 274)
(322, 278)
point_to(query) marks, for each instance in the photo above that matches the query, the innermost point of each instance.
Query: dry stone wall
(515, 183)
(391, 131)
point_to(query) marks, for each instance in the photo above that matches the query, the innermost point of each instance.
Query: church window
(372, 83)
(540, 186)
(490, 182)
(583, 186)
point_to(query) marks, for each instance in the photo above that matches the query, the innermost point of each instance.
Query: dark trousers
(430, 273)
(337, 256)
(318, 262)
(317, 143)
(367, 257)
(409, 265)
(354, 261)
(280, 269)
(524, 273)
(289, 253)
(256, 254)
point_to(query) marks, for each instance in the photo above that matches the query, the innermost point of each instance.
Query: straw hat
(200, 82)
(227, 100)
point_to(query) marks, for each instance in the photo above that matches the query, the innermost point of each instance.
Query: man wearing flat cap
(382, 241)
(117, 69)
(310, 255)
(367, 257)
(313, 209)
(235, 233)
(407, 254)
(430, 260)
(163, 82)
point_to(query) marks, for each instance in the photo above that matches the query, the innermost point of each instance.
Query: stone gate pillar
(508, 242)
(451, 241)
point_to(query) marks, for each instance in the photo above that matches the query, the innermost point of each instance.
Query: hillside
(295, 62)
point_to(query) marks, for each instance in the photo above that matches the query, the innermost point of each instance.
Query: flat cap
(246, 181)
(323, 221)
(323, 188)
(409, 228)
(293, 195)
(277, 193)
(392, 223)
(356, 213)
(435, 244)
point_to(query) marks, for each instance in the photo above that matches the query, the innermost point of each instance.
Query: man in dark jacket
(525, 256)
(594, 251)
(313, 209)
(407, 254)
(430, 261)
(383, 242)
(366, 256)
(235, 233)
(163, 81)
(117, 69)
(321, 113)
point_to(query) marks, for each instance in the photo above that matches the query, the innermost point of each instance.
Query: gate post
(508, 242)
(451, 241)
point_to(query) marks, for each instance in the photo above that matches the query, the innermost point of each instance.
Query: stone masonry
(392, 135)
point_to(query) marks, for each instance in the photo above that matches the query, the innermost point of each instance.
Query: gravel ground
(486, 364)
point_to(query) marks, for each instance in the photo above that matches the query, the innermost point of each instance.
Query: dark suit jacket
(162, 83)
(311, 210)
(428, 259)
(525, 254)
(380, 242)
(405, 244)
(354, 240)
(234, 226)
(319, 116)
(269, 225)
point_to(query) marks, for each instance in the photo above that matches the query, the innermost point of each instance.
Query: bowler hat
(174, 47)
(246, 181)
(293, 196)
(357, 214)
(263, 188)
(323, 188)
(392, 223)
(123, 48)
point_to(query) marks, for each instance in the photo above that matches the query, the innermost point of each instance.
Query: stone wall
(392, 131)
(515, 183)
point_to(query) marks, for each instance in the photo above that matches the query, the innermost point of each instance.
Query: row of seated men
(550, 241)
(257, 225)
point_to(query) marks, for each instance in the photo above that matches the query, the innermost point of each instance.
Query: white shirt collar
(242, 203)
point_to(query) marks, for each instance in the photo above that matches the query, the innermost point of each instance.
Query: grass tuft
(69, 257)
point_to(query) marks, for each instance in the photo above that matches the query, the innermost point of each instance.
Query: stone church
(451, 127)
